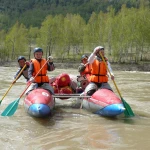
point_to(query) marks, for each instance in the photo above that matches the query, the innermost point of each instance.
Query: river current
(75, 128)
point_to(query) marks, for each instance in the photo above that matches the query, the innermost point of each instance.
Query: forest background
(66, 29)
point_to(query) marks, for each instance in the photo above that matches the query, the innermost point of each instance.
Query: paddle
(13, 83)
(12, 107)
(128, 112)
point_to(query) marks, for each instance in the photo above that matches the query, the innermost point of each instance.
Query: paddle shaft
(110, 75)
(128, 111)
(14, 81)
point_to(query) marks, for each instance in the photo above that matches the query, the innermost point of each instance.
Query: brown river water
(74, 128)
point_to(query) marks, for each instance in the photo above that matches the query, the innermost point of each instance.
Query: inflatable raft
(103, 102)
(39, 103)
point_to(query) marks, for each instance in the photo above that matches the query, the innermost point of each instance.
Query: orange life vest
(41, 77)
(99, 71)
(87, 72)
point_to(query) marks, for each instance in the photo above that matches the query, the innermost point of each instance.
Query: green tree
(73, 34)
(16, 41)
(31, 38)
(48, 35)
(90, 31)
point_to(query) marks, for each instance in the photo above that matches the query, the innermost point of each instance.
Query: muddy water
(77, 129)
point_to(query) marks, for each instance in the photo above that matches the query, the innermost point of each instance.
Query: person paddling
(22, 61)
(42, 80)
(99, 74)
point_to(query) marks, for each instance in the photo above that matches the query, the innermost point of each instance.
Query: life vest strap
(98, 75)
(41, 74)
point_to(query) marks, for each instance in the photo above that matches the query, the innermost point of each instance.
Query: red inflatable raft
(39, 103)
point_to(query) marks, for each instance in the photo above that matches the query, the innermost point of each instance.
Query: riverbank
(115, 66)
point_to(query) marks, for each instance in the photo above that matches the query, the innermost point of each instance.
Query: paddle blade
(11, 108)
(0, 102)
(128, 111)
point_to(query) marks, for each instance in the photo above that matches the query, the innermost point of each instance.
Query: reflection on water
(77, 129)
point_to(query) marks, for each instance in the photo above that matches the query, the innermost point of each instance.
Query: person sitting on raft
(99, 74)
(41, 80)
(84, 68)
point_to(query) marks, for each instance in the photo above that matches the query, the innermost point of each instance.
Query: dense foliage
(68, 28)
(33, 12)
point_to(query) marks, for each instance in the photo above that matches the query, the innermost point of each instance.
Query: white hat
(98, 48)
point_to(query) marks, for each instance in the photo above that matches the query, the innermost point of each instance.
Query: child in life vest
(41, 80)
(84, 68)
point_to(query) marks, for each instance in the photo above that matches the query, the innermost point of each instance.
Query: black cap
(84, 56)
(21, 57)
(37, 49)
